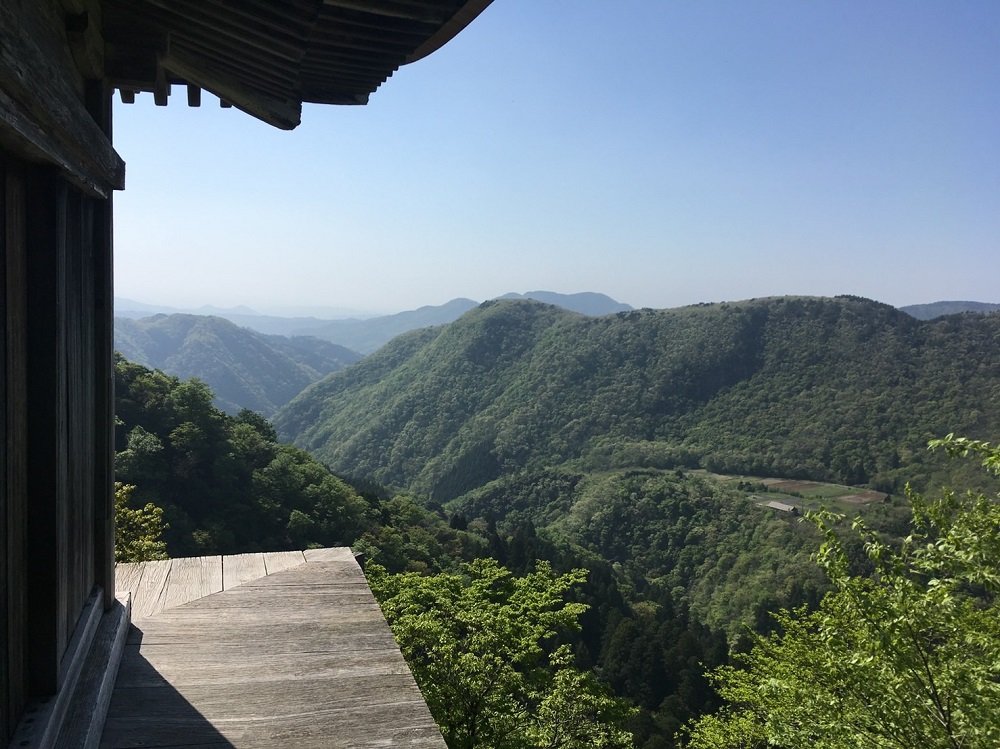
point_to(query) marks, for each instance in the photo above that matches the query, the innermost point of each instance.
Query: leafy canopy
(907, 657)
(139, 530)
(483, 646)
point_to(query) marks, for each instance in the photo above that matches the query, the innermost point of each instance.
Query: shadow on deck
(300, 657)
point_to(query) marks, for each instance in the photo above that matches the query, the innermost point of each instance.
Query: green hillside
(842, 389)
(246, 369)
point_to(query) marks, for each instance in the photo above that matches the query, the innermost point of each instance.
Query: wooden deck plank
(210, 666)
(240, 568)
(313, 574)
(148, 597)
(277, 698)
(392, 724)
(193, 578)
(302, 657)
(291, 596)
(264, 617)
(128, 576)
(336, 554)
(279, 561)
(156, 586)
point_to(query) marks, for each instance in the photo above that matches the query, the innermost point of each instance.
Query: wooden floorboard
(292, 650)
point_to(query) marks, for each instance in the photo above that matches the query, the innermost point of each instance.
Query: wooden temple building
(61, 61)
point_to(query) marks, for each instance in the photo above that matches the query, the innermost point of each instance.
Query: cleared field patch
(864, 497)
(800, 493)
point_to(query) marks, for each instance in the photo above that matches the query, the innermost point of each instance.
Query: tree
(906, 657)
(482, 647)
(139, 531)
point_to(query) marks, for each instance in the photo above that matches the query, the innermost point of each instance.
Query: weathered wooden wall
(13, 447)
(56, 419)
(57, 171)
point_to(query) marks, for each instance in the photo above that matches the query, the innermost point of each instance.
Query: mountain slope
(833, 389)
(246, 369)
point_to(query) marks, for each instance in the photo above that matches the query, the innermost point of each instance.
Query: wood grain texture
(282, 560)
(300, 657)
(336, 554)
(192, 578)
(148, 596)
(240, 568)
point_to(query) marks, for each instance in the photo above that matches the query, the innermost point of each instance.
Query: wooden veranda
(262, 650)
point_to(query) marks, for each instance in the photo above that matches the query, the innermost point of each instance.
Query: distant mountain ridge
(934, 310)
(368, 334)
(841, 389)
(585, 302)
(246, 369)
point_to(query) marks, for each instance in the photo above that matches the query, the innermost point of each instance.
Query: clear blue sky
(664, 153)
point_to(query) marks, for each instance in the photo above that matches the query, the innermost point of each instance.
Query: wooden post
(99, 103)
(13, 373)
(47, 450)
(5, 681)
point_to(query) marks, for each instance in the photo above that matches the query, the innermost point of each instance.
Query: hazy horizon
(334, 313)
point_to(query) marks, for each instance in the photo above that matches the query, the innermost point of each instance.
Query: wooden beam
(161, 89)
(280, 113)
(42, 114)
(200, 19)
(33, 142)
(391, 8)
(128, 95)
(194, 96)
(83, 31)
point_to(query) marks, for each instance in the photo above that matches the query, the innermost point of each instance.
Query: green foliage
(843, 389)
(138, 531)
(226, 486)
(483, 646)
(412, 538)
(720, 555)
(906, 657)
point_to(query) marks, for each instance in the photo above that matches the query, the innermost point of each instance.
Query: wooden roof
(266, 57)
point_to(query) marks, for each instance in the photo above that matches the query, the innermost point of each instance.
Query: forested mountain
(940, 309)
(841, 389)
(246, 369)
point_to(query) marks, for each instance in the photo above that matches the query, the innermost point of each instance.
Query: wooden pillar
(99, 97)
(47, 448)
(13, 449)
